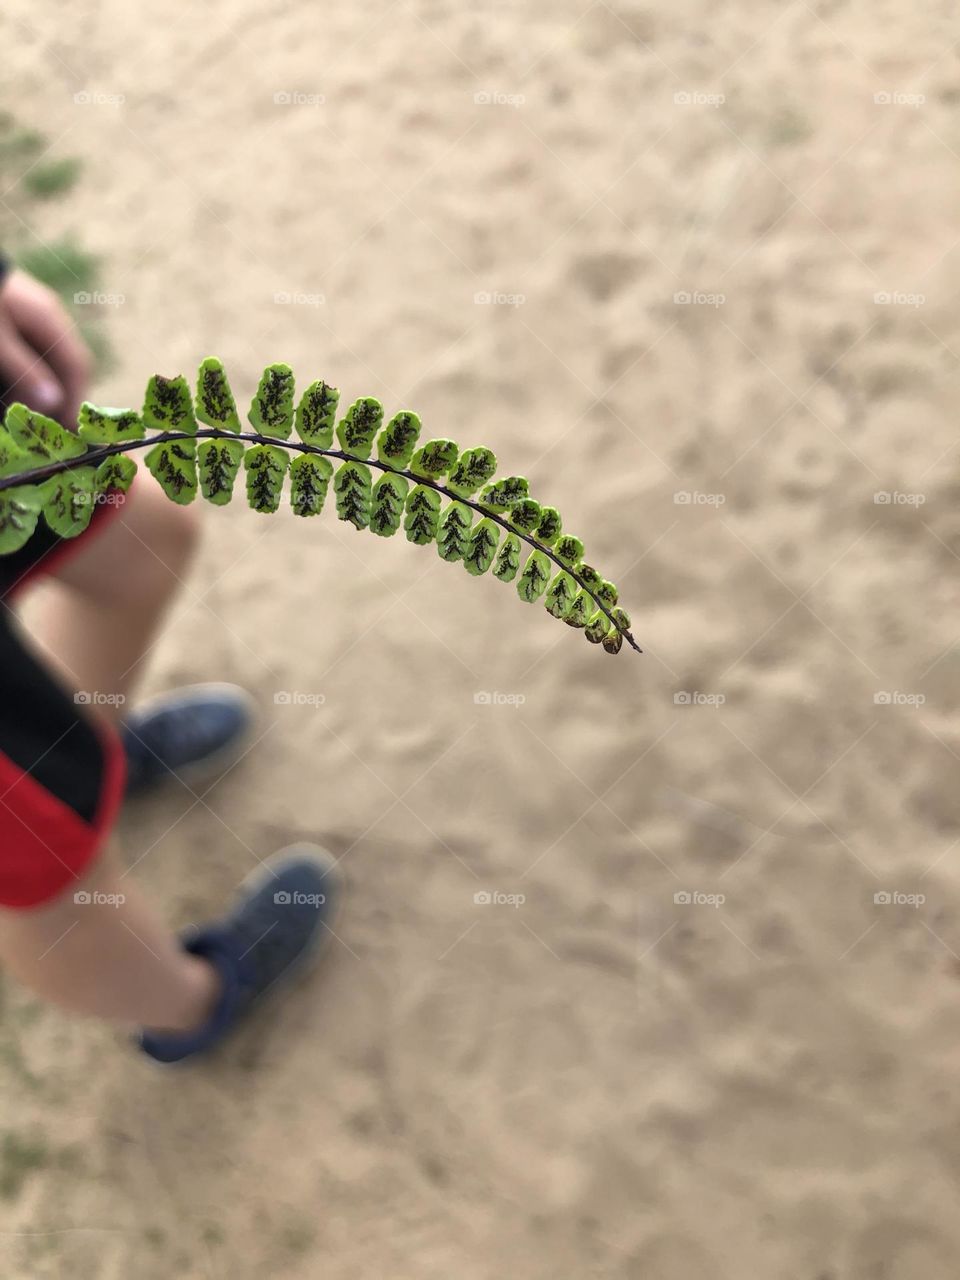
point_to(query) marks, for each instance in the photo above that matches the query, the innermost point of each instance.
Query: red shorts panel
(46, 845)
(62, 767)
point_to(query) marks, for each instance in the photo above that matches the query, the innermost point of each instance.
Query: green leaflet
(109, 426)
(613, 640)
(474, 468)
(174, 465)
(386, 508)
(607, 592)
(167, 405)
(68, 501)
(581, 611)
(396, 441)
(481, 547)
(501, 495)
(352, 484)
(266, 466)
(434, 459)
(216, 406)
(536, 574)
(19, 512)
(271, 411)
(508, 559)
(12, 458)
(115, 473)
(359, 425)
(569, 551)
(315, 414)
(309, 478)
(548, 527)
(526, 515)
(453, 530)
(590, 576)
(218, 462)
(42, 439)
(422, 516)
(598, 627)
(560, 594)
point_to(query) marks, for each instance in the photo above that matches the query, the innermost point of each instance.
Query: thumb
(25, 376)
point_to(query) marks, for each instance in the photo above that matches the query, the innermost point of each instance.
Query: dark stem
(97, 455)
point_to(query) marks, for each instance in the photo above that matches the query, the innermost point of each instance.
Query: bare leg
(108, 601)
(111, 956)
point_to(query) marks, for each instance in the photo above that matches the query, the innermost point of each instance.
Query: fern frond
(434, 491)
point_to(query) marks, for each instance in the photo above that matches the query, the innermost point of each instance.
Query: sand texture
(601, 1083)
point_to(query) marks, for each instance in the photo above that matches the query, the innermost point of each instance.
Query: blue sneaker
(195, 734)
(284, 911)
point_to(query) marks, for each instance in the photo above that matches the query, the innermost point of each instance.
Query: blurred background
(649, 967)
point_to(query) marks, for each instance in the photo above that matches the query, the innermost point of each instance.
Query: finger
(71, 362)
(26, 376)
(45, 325)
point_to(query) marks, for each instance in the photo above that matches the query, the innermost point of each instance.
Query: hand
(43, 360)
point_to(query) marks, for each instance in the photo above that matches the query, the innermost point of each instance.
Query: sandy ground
(602, 1082)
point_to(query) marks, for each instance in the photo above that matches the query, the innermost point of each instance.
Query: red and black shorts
(62, 768)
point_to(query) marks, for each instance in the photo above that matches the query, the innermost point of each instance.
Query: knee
(161, 543)
(174, 534)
